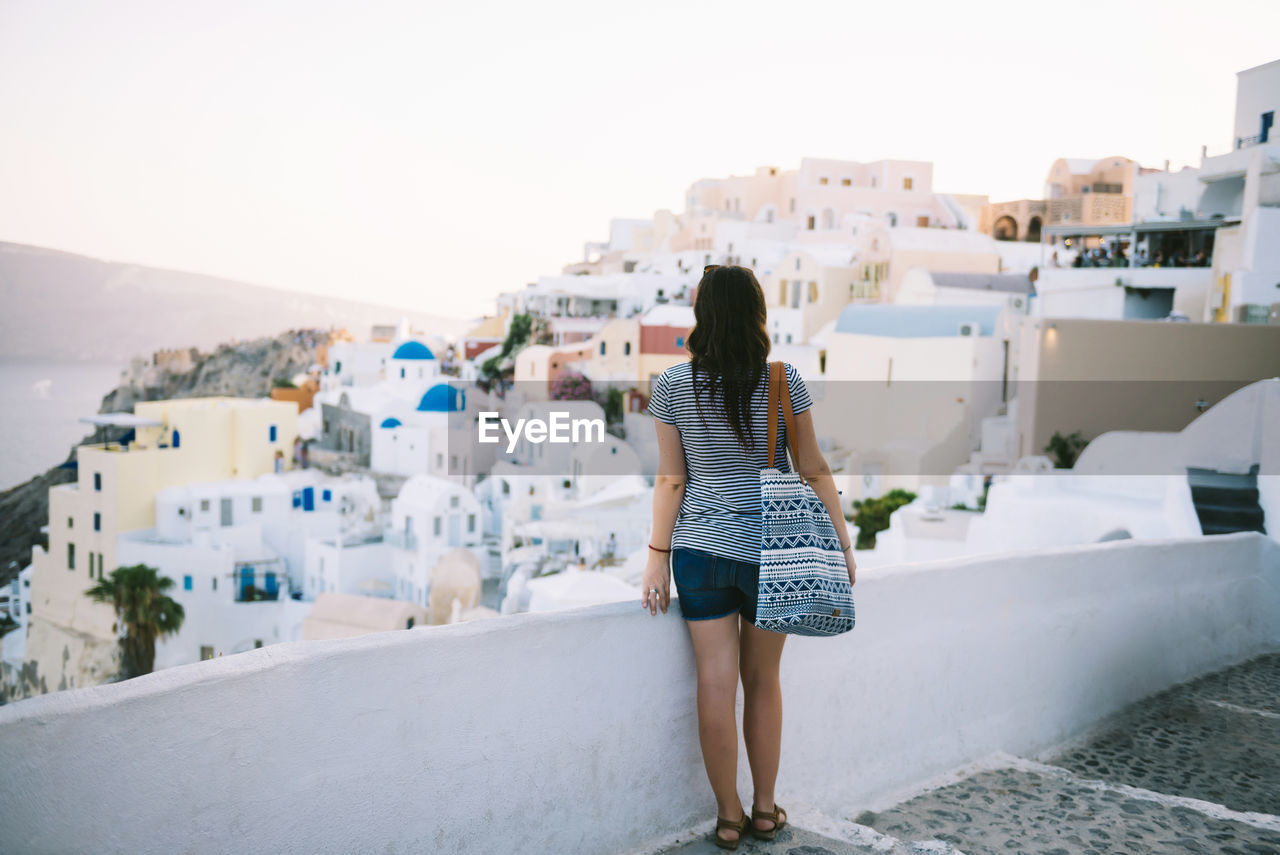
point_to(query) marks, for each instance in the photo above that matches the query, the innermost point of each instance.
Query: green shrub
(613, 404)
(872, 515)
(517, 336)
(1065, 449)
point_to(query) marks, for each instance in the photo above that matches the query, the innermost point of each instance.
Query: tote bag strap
(778, 382)
(774, 389)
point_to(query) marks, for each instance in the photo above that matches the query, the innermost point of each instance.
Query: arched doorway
(1005, 228)
(1033, 231)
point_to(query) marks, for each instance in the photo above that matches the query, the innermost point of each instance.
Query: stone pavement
(1193, 769)
(797, 840)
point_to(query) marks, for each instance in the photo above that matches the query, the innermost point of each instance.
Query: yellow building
(616, 356)
(177, 442)
(490, 331)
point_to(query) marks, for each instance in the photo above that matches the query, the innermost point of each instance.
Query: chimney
(1166, 164)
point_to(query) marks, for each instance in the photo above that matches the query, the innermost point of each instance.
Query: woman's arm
(668, 492)
(813, 466)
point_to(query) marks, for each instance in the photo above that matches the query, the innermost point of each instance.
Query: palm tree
(143, 611)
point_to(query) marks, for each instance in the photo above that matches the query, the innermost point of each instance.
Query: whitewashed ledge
(576, 732)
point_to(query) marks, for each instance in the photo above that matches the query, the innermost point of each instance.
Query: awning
(1075, 230)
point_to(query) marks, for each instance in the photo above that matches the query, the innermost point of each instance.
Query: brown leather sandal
(772, 816)
(739, 826)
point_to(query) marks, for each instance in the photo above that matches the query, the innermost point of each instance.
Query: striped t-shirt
(720, 513)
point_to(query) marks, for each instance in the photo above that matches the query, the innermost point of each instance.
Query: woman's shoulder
(679, 371)
(791, 370)
(681, 367)
(800, 399)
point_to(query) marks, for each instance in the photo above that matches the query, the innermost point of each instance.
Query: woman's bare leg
(715, 647)
(762, 711)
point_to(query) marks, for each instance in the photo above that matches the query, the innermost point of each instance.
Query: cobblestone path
(1193, 769)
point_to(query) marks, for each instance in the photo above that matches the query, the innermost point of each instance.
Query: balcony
(401, 540)
(258, 580)
(121, 447)
(976, 698)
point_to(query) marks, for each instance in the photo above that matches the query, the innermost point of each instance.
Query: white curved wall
(576, 731)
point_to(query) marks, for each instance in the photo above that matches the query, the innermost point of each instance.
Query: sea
(41, 404)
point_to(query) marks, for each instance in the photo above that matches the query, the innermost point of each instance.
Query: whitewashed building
(430, 517)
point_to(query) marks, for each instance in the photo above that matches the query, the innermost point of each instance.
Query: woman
(711, 419)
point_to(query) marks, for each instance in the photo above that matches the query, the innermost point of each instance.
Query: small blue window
(297, 499)
(679, 341)
(186, 582)
(602, 348)
(97, 521)
(328, 495)
(177, 440)
(272, 431)
(97, 481)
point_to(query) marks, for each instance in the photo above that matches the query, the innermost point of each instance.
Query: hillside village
(1099, 364)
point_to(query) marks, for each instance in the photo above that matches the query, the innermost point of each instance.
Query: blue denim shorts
(710, 586)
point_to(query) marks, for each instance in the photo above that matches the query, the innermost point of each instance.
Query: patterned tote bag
(804, 583)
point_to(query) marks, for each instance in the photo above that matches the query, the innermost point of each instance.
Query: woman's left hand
(657, 574)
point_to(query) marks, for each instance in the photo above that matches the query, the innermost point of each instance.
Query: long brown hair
(729, 343)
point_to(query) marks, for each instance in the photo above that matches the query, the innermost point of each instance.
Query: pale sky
(430, 155)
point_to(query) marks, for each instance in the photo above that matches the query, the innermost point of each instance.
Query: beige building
(906, 390)
(823, 198)
(615, 354)
(813, 283)
(1076, 191)
(914, 392)
(887, 254)
(335, 615)
(822, 192)
(809, 288)
(73, 639)
(1098, 375)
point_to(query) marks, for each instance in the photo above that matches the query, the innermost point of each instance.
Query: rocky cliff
(243, 369)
